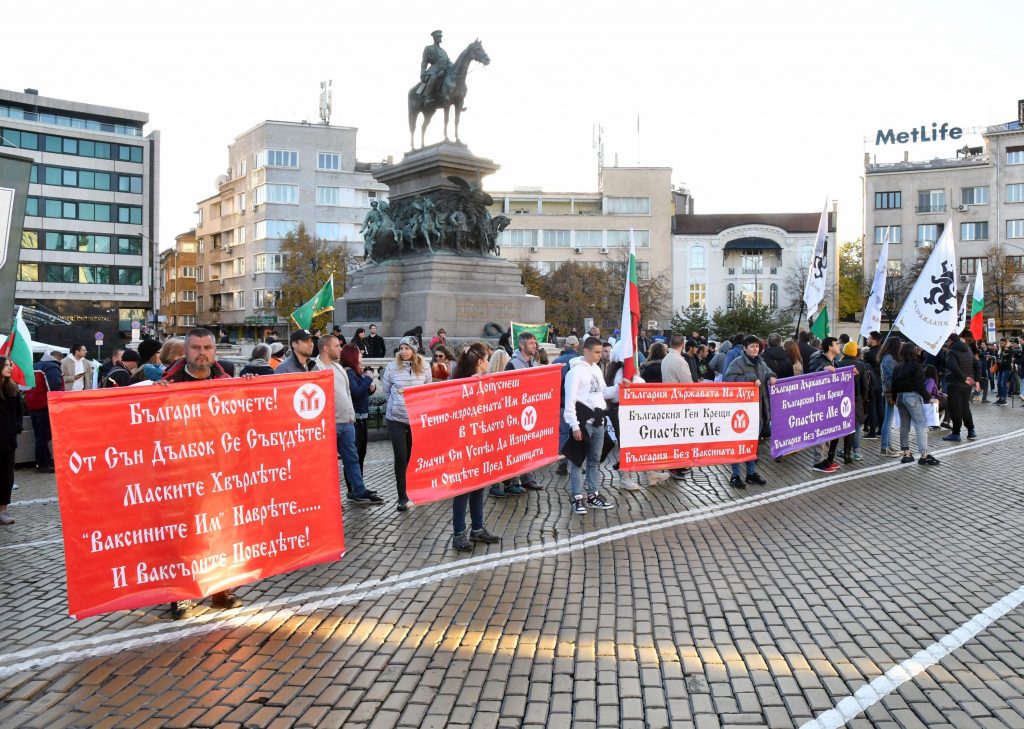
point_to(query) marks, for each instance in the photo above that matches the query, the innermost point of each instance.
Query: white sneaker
(628, 483)
(6, 518)
(656, 477)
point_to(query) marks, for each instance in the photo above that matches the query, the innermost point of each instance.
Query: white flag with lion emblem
(929, 315)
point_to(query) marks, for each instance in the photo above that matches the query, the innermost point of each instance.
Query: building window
(56, 273)
(752, 263)
(129, 276)
(200, 304)
(94, 274)
(730, 296)
(974, 231)
(328, 231)
(30, 239)
(974, 196)
(620, 238)
(200, 273)
(589, 238)
(273, 229)
(277, 158)
(130, 214)
(773, 296)
(699, 295)
(188, 271)
(71, 177)
(643, 270)
(128, 246)
(888, 200)
(328, 161)
(128, 153)
(266, 299)
(969, 266)
(129, 183)
(28, 272)
(188, 295)
(806, 251)
(269, 262)
(927, 234)
(1015, 228)
(697, 257)
(895, 268)
(931, 201)
(557, 239)
(277, 194)
(1015, 192)
(187, 247)
(628, 205)
(328, 196)
(752, 294)
(519, 238)
(1015, 155)
(895, 234)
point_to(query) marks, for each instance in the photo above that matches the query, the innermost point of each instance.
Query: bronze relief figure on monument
(432, 251)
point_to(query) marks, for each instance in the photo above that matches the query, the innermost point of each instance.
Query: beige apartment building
(178, 289)
(550, 228)
(279, 174)
(981, 190)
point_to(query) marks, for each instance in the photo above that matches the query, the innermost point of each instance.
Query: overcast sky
(757, 107)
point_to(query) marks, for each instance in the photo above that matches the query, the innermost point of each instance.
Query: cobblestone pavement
(689, 605)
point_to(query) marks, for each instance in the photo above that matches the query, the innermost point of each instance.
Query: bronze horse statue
(451, 93)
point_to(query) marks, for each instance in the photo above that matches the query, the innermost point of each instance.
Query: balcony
(930, 208)
(752, 270)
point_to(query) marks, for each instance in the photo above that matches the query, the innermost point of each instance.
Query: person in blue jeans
(908, 388)
(344, 420)
(472, 363)
(887, 363)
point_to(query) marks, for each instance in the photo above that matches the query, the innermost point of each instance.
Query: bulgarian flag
(630, 324)
(18, 348)
(977, 307)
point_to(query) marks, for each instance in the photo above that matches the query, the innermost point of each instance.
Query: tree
(308, 263)
(852, 291)
(747, 317)
(689, 319)
(1004, 296)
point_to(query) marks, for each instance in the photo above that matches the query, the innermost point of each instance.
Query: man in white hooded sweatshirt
(584, 384)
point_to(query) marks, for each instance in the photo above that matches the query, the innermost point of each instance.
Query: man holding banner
(525, 357)
(585, 395)
(749, 367)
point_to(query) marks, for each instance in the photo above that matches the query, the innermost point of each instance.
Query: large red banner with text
(480, 430)
(683, 426)
(174, 493)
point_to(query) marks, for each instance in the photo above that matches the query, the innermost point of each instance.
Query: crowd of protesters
(892, 378)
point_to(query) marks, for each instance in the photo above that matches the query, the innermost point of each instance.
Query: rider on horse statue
(433, 69)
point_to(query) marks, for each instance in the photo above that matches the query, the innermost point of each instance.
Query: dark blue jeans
(346, 433)
(41, 428)
(475, 499)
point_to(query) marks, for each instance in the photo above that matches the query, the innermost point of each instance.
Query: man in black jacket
(775, 356)
(960, 366)
(826, 360)
(806, 350)
(876, 403)
(375, 344)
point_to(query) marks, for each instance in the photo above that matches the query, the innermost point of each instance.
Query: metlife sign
(922, 133)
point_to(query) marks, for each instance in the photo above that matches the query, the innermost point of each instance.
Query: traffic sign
(99, 336)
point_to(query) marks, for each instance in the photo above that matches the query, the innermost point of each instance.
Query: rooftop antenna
(326, 98)
(597, 141)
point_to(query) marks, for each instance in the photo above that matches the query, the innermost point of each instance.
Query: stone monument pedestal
(460, 294)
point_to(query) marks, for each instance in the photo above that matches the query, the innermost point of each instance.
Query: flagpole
(799, 318)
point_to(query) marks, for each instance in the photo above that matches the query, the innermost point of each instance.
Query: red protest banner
(477, 431)
(683, 426)
(174, 493)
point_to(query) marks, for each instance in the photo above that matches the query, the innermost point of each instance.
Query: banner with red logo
(174, 493)
(682, 426)
(480, 430)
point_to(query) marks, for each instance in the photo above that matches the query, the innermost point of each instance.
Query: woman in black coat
(11, 414)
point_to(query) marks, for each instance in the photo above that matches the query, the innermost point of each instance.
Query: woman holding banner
(406, 370)
(11, 414)
(472, 363)
(908, 388)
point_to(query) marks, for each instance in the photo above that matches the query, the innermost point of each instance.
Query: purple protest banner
(811, 409)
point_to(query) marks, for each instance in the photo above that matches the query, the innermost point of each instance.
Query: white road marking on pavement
(259, 612)
(26, 545)
(871, 693)
(29, 502)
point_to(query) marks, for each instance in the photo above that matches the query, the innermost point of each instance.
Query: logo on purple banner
(811, 409)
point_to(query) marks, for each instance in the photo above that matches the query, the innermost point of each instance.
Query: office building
(88, 252)
(279, 174)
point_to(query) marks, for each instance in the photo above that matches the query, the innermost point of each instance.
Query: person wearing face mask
(749, 367)
(407, 369)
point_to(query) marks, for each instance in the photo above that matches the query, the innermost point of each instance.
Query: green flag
(322, 301)
(820, 326)
(538, 330)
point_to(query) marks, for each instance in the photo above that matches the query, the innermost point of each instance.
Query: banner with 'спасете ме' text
(477, 431)
(683, 426)
(174, 493)
(811, 409)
